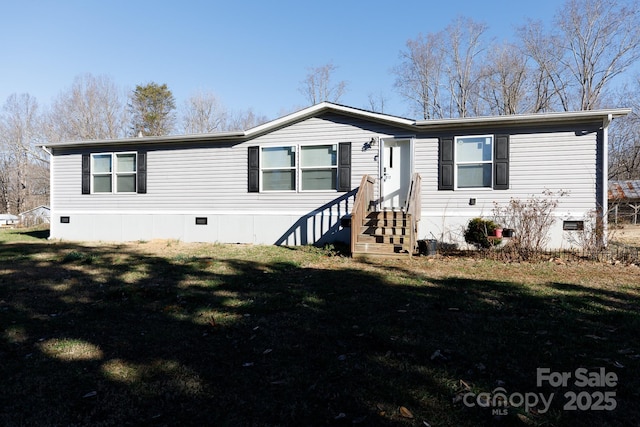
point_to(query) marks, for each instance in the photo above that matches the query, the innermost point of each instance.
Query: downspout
(605, 179)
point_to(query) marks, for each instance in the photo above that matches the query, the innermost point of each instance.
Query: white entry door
(395, 172)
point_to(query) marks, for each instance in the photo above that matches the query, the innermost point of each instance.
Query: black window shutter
(344, 166)
(446, 166)
(86, 174)
(142, 172)
(501, 163)
(254, 169)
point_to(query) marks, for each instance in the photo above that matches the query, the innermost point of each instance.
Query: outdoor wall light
(472, 202)
(367, 145)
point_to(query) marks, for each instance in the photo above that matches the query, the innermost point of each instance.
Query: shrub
(531, 221)
(477, 233)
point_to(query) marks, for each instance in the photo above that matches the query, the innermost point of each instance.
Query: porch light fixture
(367, 145)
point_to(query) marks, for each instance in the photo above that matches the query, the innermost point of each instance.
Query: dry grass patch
(166, 333)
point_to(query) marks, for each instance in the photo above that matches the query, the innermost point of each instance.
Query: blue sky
(251, 54)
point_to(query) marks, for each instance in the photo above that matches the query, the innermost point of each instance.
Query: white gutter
(605, 178)
(523, 119)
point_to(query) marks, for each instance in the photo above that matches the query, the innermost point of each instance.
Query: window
(474, 161)
(278, 168)
(478, 161)
(114, 173)
(305, 168)
(318, 167)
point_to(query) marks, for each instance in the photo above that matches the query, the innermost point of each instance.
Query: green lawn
(164, 333)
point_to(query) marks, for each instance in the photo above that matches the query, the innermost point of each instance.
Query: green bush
(477, 233)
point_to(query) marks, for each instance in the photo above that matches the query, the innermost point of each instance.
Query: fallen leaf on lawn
(90, 394)
(526, 420)
(405, 412)
(618, 365)
(465, 385)
(267, 351)
(595, 337)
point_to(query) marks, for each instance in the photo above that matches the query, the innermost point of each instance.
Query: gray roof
(4, 217)
(328, 107)
(624, 190)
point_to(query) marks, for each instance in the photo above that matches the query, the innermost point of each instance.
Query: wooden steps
(383, 233)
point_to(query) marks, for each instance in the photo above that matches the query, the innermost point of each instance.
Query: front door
(395, 172)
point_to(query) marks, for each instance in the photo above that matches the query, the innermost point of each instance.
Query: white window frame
(458, 163)
(114, 172)
(333, 168)
(298, 168)
(278, 168)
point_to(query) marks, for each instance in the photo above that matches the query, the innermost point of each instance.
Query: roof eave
(324, 107)
(208, 137)
(524, 119)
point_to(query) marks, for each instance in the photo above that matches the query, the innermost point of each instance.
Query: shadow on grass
(110, 336)
(37, 234)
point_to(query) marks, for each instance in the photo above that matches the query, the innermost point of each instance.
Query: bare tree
(377, 102)
(624, 136)
(463, 48)
(203, 113)
(93, 108)
(549, 78)
(624, 148)
(440, 72)
(591, 43)
(19, 136)
(602, 40)
(318, 86)
(419, 75)
(244, 120)
(504, 85)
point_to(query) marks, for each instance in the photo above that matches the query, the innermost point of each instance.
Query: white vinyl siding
(185, 180)
(213, 177)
